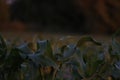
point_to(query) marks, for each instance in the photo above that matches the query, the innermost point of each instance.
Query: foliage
(86, 59)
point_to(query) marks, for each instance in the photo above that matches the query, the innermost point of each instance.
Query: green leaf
(41, 60)
(69, 51)
(82, 64)
(94, 60)
(14, 59)
(2, 43)
(45, 47)
(85, 39)
(114, 48)
(115, 70)
(117, 65)
(25, 49)
(75, 66)
(3, 48)
(29, 71)
(117, 33)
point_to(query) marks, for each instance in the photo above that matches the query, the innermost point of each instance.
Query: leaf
(75, 65)
(85, 39)
(63, 48)
(114, 48)
(116, 34)
(117, 65)
(69, 50)
(66, 53)
(94, 60)
(25, 49)
(3, 50)
(45, 47)
(2, 43)
(29, 71)
(115, 71)
(14, 59)
(82, 64)
(90, 60)
(41, 60)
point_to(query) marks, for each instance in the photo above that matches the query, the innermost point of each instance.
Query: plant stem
(55, 72)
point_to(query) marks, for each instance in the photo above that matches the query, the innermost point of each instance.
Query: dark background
(68, 16)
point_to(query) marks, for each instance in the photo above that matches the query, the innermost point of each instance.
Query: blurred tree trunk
(102, 15)
(104, 12)
(5, 23)
(4, 12)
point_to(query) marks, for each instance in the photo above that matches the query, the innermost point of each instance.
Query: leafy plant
(86, 59)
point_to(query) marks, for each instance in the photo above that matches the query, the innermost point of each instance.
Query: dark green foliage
(85, 60)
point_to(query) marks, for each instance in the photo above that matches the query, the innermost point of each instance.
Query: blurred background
(60, 16)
